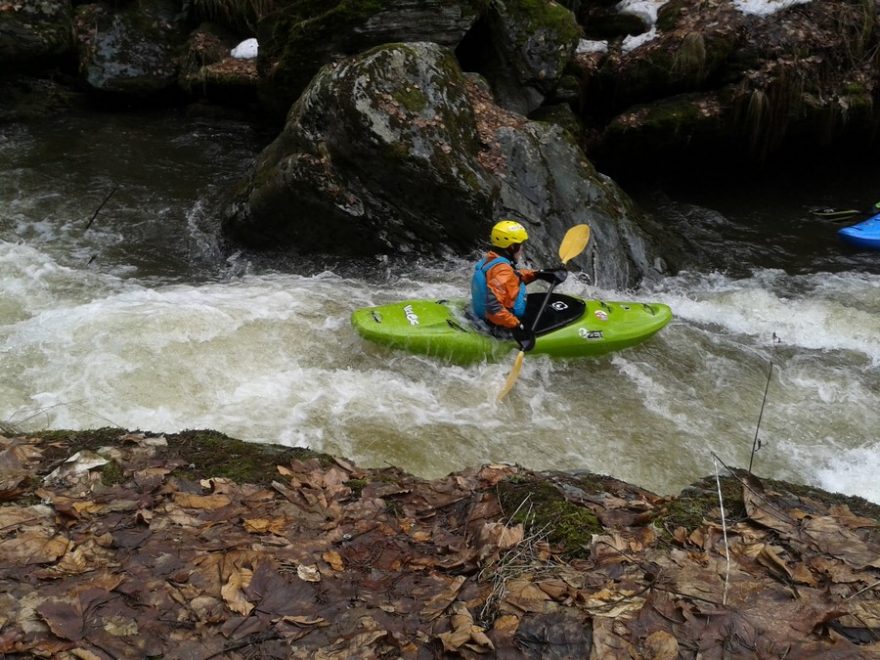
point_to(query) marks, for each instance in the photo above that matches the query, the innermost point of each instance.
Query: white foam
(656, 397)
(852, 472)
(765, 306)
(273, 358)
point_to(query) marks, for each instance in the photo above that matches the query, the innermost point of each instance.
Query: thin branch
(755, 444)
(861, 591)
(724, 530)
(98, 210)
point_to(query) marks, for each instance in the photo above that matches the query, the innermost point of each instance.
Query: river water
(139, 317)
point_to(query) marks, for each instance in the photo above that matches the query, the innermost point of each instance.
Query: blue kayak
(865, 235)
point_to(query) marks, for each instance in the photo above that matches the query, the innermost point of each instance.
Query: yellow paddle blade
(511, 378)
(574, 242)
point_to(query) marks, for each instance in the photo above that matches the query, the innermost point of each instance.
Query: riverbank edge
(466, 531)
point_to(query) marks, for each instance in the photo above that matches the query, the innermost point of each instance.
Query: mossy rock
(204, 454)
(699, 502)
(296, 42)
(549, 16)
(539, 505)
(668, 15)
(666, 124)
(213, 454)
(560, 115)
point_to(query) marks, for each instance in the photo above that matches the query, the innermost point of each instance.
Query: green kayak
(569, 327)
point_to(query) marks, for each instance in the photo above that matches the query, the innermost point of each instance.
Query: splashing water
(144, 322)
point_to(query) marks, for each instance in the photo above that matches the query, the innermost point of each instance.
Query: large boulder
(532, 42)
(378, 155)
(397, 150)
(300, 37)
(546, 182)
(130, 50)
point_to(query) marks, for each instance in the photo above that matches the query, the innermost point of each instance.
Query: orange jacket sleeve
(503, 283)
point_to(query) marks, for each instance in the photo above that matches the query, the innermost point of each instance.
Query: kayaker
(498, 287)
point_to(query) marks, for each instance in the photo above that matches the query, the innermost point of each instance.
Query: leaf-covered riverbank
(119, 544)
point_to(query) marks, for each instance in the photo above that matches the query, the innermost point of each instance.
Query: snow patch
(644, 9)
(634, 41)
(765, 7)
(587, 47)
(246, 50)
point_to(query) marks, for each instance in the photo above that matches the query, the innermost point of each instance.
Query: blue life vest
(480, 289)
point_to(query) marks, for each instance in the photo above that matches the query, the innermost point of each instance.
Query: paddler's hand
(524, 337)
(556, 276)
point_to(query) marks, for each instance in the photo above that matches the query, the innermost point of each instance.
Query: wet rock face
(549, 181)
(34, 29)
(132, 51)
(533, 42)
(378, 155)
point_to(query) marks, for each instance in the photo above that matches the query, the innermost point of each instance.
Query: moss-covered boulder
(674, 62)
(397, 150)
(532, 42)
(378, 155)
(130, 49)
(677, 126)
(303, 35)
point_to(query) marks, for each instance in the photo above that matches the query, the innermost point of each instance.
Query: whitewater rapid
(143, 321)
(272, 358)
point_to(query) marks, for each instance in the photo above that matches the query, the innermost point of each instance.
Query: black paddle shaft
(542, 307)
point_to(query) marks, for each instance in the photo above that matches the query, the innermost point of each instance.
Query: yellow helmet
(507, 233)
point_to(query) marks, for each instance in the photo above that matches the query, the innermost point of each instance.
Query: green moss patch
(548, 16)
(543, 509)
(699, 502)
(357, 487)
(213, 454)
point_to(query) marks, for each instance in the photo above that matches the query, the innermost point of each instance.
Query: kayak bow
(865, 235)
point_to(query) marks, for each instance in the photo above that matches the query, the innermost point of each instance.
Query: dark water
(742, 221)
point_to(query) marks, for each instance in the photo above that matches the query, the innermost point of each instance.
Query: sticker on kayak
(590, 334)
(601, 314)
(411, 316)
